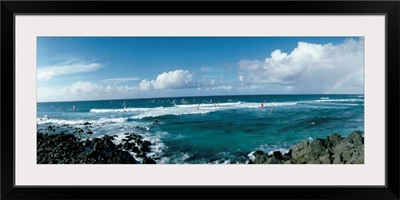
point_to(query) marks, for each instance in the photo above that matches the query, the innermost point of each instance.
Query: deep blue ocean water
(211, 129)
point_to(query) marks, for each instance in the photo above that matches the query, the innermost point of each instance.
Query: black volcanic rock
(148, 160)
(68, 149)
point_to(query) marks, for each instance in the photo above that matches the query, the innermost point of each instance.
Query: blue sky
(92, 68)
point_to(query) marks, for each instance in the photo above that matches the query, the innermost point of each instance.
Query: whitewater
(209, 129)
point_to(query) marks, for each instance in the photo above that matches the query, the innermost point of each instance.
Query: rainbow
(342, 80)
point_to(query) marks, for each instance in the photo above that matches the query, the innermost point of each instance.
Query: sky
(102, 68)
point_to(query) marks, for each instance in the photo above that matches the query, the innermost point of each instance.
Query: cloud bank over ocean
(306, 68)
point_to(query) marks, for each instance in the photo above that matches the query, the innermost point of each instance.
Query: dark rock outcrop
(335, 149)
(148, 160)
(67, 149)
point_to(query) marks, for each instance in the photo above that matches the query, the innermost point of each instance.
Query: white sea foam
(223, 161)
(157, 146)
(340, 104)
(283, 148)
(117, 140)
(351, 104)
(337, 100)
(178, 158)
(123, 110)
(189, 109)
(100, 121)
(234, 105)
(251, 156)
(170, 111)
(156, 140)
(273, 104)
(192, 109)
(202, 105)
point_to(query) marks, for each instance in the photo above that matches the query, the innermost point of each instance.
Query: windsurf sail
(270, 112)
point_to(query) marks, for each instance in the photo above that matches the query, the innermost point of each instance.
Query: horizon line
(184, 97)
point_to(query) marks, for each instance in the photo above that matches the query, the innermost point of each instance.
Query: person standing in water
(262, 105)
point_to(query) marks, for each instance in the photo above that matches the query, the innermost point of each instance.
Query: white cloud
(206, 69)
(146, 85)
(241, 78)
(213, 82)
(120, 80)
(170, 80)
(310, 68)
(85, 90)
(68, 67)
(220, 87)
(82, 87)
(86, 87)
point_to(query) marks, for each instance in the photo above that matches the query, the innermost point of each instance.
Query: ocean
(209, 129)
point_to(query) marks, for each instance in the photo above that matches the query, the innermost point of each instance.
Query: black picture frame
(9, 9)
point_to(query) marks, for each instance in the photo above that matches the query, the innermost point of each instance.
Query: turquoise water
(212, 129)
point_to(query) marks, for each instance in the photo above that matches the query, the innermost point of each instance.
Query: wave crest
(100, 121)
(122, 110)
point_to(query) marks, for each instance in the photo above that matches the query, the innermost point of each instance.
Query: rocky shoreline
(67, 149)
(334, 149)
